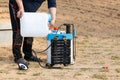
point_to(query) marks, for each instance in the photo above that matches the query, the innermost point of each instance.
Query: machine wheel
(65, 64)
(49, 65)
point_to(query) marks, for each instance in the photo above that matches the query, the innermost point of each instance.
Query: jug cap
(55, 28)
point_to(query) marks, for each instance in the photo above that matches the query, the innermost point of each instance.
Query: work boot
(22, 64)
(33, 58)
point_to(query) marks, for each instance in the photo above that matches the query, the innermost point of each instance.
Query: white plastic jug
(34, 24)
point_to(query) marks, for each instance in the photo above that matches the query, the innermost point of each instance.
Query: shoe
(33, 58)
(22, 64)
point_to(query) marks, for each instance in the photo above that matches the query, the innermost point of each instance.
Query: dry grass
(98, 43)
(100, 76)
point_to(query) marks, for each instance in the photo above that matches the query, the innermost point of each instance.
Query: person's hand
(20, 13)
(21, 8)
(52, 24)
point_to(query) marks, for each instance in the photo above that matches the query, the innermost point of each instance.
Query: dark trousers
(17, 38)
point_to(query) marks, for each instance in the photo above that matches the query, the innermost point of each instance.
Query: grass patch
(115, 57)
(27, 79)
(36, 74)
(21, 73)
(85, 69)
(108, 50)
(10, 79)
(13, 64)
(104, 70)
(77, 74)
(4, 71)
(117, 36)
(100, 76)
(116, 63)
(99, 62)
(117, 70)
(96, 53)
(34, 65)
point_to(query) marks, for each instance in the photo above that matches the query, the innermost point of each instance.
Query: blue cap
(49, 17)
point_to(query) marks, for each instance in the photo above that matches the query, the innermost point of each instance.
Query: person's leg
(27, 46)
(17, 39)
(28, 41)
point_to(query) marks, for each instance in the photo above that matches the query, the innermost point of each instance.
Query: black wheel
(65, 64)
(49, 65)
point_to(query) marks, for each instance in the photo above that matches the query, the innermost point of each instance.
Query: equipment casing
(61, 49)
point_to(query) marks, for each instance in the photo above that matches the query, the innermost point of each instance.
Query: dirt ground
(98, 43)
